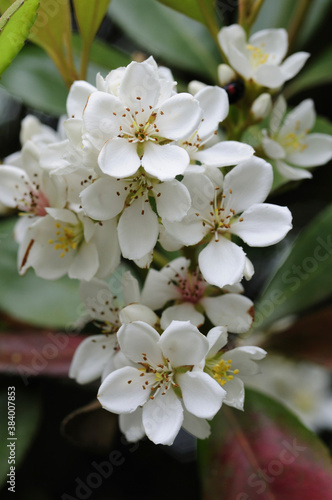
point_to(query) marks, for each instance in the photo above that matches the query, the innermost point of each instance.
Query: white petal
(181, 312)
(164, 162)
(145, 261)
(137, 231)
(224, 154)
(269, 76)
(178, 116)
(300, 119)
(118, 158)
(231, 35)
(131, 425)
(85, 262)
(130, 288)
(77, 98)
(162, 418)
(14, 182)
(248, 183)
(217, 338)
(293, 64)
(273, 149)
(90, 357)
(244, 357)
(173, 200)
(97, 298)
(234, 393)
(62, 214)
(100, 200)
(231, 310)
(198, 427)
(215, 106)
(183, 344)
(122, 391)
(292, 173)
(318, 151)
(222, 262)
(106, 242)
(278, 112)
(137, 338)
(189, 231)
(140, 80)
(263, 224)
(158, 290)
(202, 395)
(102, 116)
(138, 312)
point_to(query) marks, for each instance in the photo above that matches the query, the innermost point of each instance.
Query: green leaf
(307, 339)
(15, 25)
(263, 453)
(315, 73)
(168, 35)
(191, 8)
(54, 304)
(34, 78)
(89, 15)
(304, 279)
(27, 419)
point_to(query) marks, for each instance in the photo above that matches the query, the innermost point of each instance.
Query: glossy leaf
(167, 35)
(33, 78)
(264, 453)
(89, 15)
(29, 353)
(308, 339)
(315, 73)
(304, 278)
(30, 299)
(27, 419)
(15, 25)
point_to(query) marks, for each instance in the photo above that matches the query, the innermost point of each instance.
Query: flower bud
(225, 74)
(194, 86)
(261, 107)
(138, 312)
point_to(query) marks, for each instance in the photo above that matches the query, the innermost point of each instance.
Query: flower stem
(210, 23)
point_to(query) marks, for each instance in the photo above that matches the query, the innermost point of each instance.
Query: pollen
(222, 372)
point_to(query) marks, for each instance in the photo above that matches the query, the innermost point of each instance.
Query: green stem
(296, 21)
(86, 47)
(211, 24)
(159, 259)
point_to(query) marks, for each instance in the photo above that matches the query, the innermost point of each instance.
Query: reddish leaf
(36, 352)
(308, 339)
(264, 453)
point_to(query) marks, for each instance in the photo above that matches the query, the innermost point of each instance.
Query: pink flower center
(191, 286)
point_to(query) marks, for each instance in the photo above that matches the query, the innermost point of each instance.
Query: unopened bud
(261, 107)
(194, 86)
(225, 74)
(138, 312)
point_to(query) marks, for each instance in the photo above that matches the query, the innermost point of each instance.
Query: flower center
(294, 142)
(163, 376)
(135, 128)
(257, 55)
(191, 286)
(33, 202)
(68, 237)
(222, 372)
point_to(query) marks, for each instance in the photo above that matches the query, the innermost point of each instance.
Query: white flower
(99, 355)
(303, 387)
(290, 144)
(189, 296)
(214, 104)
(163, 379)
(260, 59)
(63, 242)
(230, 367)
(138, 226)
(214, 217)
(138, 127)
(261, 107)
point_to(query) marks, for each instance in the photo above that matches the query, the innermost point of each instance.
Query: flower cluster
(136, 164)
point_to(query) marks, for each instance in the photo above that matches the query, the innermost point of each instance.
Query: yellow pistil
(222, 372)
